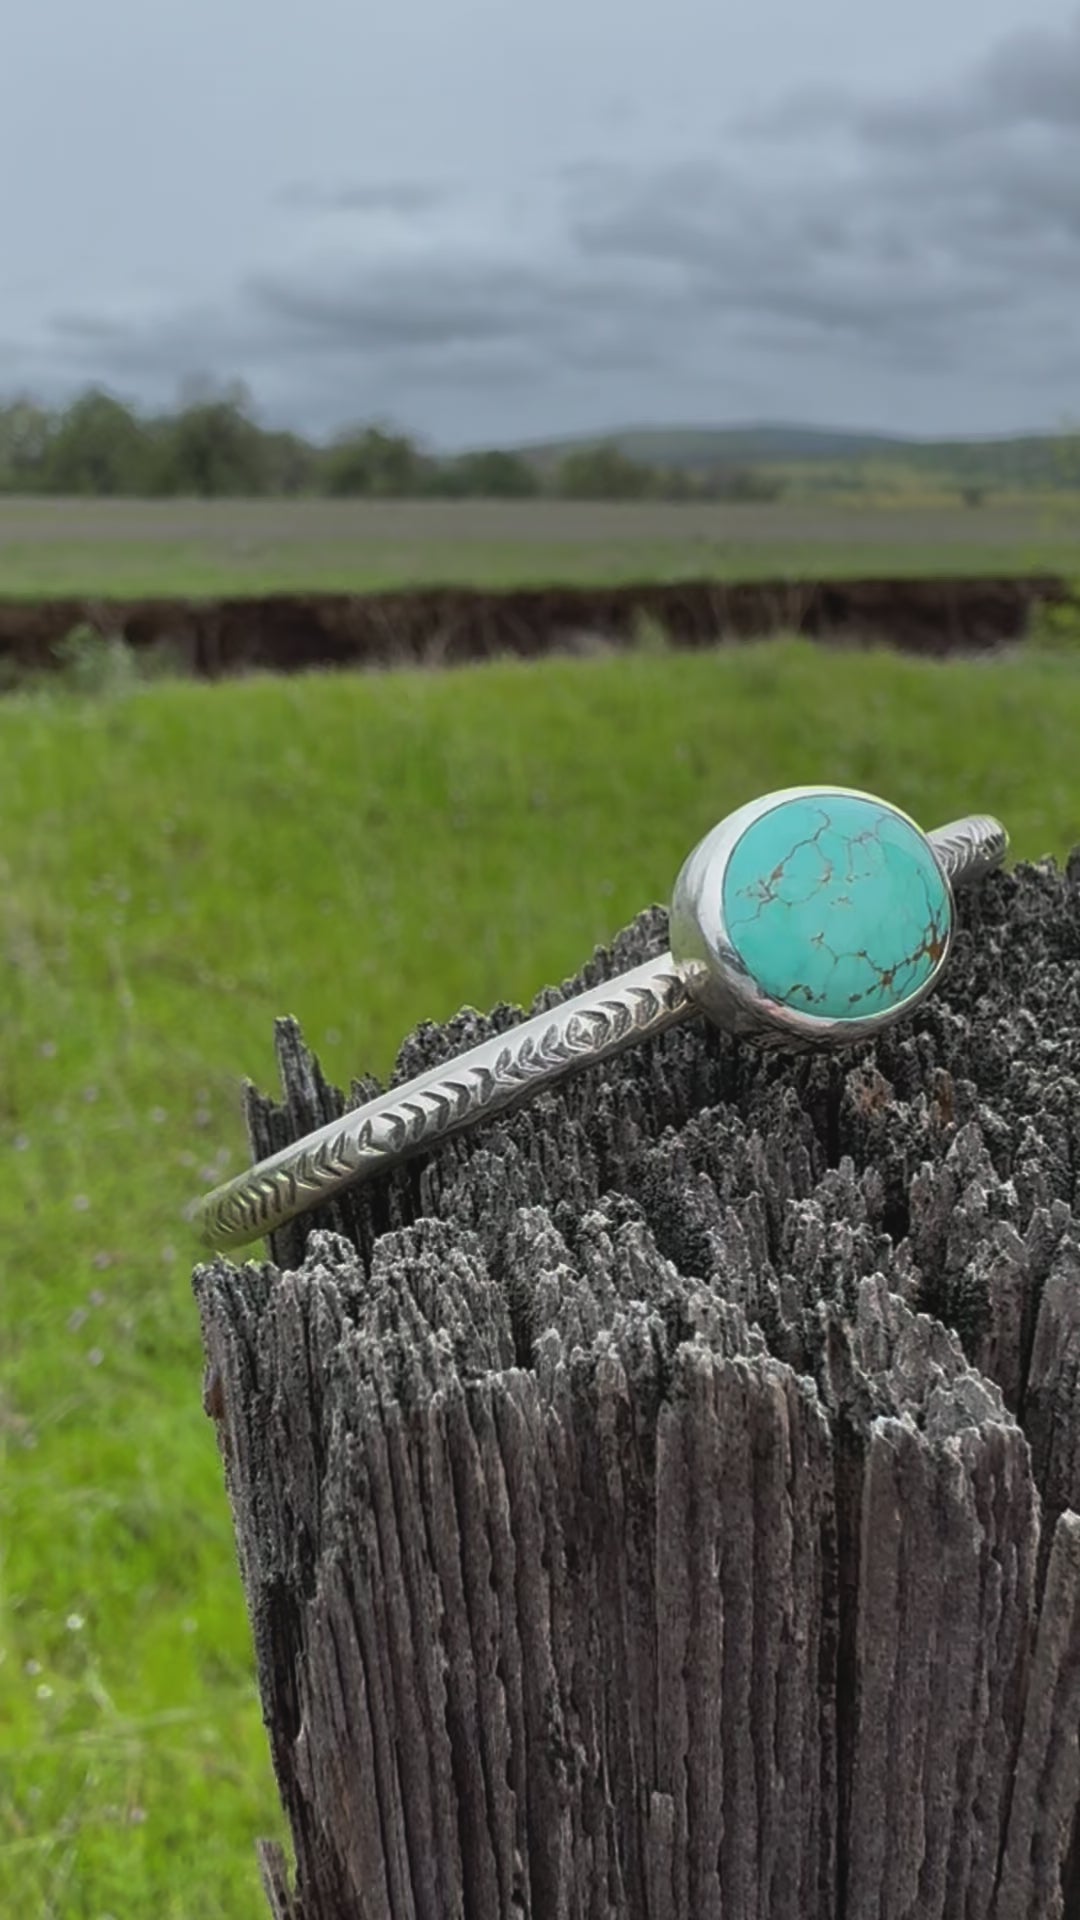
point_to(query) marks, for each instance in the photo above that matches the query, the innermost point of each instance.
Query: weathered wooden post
(664, 1500)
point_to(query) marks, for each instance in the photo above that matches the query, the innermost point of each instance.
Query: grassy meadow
(179, 863)
(212, 548)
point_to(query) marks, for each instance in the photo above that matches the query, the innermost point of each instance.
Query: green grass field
(178, 866)
(199, 548)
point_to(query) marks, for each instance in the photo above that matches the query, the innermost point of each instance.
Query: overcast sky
(488, 221)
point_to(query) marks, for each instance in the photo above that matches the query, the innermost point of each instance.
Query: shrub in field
(1055, 628)
(104, 665)
(649, 635)
(602, 473)
(211, 449)
(387, 465)
(492, 475)
(93, 663)
(24, 438)
(99, 447)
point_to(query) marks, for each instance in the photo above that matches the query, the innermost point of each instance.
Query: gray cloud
(917, 247)
(90, 330)
(425, 303)
(398, 197)
(915, 230)
(1033, 80)
(1030, 80)
(432, 315)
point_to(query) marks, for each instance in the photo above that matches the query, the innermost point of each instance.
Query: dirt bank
(447, 626)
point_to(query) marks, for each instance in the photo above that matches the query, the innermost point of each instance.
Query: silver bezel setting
(716, 976)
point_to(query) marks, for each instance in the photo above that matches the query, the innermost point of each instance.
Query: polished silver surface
(718, 978)
(967, 849)
(702, 974)
(494, 1075)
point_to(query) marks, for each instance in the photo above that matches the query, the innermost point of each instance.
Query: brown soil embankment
(290, 632)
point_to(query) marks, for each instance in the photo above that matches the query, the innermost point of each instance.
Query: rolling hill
(840, 457)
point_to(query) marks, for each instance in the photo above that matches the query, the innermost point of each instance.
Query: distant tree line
(212, 447)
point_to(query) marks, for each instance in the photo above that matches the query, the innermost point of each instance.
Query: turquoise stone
(836, 906)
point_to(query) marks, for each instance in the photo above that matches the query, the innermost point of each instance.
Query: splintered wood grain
(661, 1504)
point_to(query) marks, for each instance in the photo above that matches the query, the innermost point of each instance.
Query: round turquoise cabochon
(836, 906)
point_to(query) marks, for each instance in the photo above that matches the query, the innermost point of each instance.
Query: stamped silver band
(741, 908)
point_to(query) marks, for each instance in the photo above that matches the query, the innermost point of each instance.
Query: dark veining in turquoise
(836, 906)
